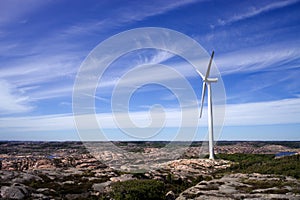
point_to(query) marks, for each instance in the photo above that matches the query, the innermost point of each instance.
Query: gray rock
(77, 196)
(8, 175)
(170, 195)
(101, 187)
(26, 177)
(45, 190)
(69, 182)
(124, 177)
(16, 191)
(227, 189)
(39, 196)
(242, 186)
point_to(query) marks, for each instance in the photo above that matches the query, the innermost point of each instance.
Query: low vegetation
(150, 189)
(264, 164)
(138, 189)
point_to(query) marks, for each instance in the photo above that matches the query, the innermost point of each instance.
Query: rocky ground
(245, 186)
(67, 171)
(86, 180)
(76, 183)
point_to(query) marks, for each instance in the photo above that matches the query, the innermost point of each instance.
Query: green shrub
(138, 189)
(264, 164)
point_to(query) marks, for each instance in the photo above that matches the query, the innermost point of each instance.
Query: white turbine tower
(207, 86)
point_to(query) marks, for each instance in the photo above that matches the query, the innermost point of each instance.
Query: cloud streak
(58, 63)
(254, 11)
(128, 13)
(42, 76)
(270, 57)
(286, 111)
(12, 101)
(11, 10)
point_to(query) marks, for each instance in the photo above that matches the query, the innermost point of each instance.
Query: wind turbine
(207, 86)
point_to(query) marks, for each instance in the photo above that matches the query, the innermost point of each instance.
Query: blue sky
(43, 43)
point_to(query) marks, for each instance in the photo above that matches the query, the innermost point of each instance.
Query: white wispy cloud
(146, 69)
(12, 10)
(267, 57)
(38, 123)
(12, 100)
(286, 111)
(157, 58)
(56, 68)
(42, 66)
(49, 72)
(127, 13)
(52, 76)
(42, 76)
(254, 11)
(151, 9)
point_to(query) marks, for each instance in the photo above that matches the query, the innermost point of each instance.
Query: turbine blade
(209, 65)
(199, 72)
(202, 98)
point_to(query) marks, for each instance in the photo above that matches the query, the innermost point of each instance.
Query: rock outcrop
(244, 186)
(16, 191)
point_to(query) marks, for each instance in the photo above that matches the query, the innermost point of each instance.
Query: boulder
(170, 195)
(124, 177)
(16, 191)
(77, 196)
(39, 196)
(26, 177)
(101, 187)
